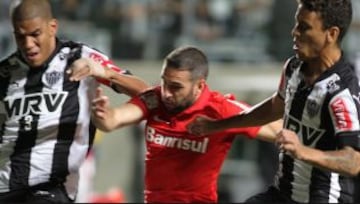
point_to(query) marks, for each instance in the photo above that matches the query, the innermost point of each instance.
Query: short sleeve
(105, 61)
(344, 116)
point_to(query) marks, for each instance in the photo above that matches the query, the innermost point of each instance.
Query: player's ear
(333, 34)
(53, 26)
(201, 84)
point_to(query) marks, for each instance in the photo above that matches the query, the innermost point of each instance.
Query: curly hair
(333, 13)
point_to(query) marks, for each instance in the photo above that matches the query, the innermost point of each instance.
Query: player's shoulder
(9, 63)
(86, 49)
(151, 97)
(76, 49)
(226, 102)
(291, 64)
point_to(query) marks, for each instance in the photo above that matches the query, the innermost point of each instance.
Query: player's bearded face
(35, 39)
(178, 90)
(309, 37)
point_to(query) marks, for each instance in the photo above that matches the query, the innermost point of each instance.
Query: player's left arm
(128, 84)
(124, 83)
(345, 161)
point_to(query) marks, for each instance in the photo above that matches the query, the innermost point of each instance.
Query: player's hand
(289, 142)
(100, 105)
(200, 126)
(85, 67)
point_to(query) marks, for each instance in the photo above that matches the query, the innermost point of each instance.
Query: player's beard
(186, 103)
(181, 108)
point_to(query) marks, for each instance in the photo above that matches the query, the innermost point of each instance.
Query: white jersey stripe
(335, 188)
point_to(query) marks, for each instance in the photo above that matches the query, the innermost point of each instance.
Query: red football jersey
(181, 167)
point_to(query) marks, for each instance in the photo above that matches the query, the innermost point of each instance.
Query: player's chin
(169, 106)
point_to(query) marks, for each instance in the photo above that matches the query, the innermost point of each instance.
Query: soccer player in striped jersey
(45, 129)
(318, 98)
(180, 167)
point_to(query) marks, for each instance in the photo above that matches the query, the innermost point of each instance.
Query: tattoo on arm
(345, 161)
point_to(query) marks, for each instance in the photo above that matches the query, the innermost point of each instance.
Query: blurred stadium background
(246, 41)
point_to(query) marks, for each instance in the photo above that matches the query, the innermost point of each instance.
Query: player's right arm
(269, 131)
(107, 119)
(265, 112)
(269, 110)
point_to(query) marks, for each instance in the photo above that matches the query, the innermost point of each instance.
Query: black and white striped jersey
(325, 116)
(46, 130)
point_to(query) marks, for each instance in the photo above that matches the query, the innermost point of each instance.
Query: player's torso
(307, 113)
(178, 162)
(43, 118)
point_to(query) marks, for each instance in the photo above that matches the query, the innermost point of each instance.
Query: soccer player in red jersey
(180, 167)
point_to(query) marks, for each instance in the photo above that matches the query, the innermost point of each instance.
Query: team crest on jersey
(312, 108)
(53, 77)
(150, 99)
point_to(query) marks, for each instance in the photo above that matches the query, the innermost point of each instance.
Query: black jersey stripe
(20, 159)
(4, 85)
(67, 127)
(287, 176)
(92, 133)
(301, 94)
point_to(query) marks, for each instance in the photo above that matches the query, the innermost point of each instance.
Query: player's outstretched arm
(269, 131)
(125, 83)
(107, 119)
(269, 110)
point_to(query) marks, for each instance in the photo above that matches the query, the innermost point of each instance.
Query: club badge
(312, 108)
(53, 77)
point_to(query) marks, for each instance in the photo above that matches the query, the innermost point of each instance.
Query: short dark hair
(333, 13)
(28, 9)
(188, 58)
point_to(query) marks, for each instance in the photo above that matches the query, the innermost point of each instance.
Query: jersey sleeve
(105, 61)
(233, 107)
(345, 117)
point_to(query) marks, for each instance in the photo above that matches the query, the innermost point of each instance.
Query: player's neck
(314, 68)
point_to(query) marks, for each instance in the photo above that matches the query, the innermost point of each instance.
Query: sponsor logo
(309, 135)
(103, 61)
(63, 55)
(31, 104)
(341, 114)
(199, 146)
(332, 86)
